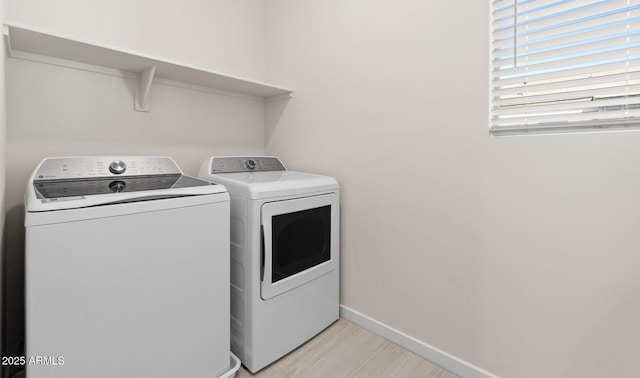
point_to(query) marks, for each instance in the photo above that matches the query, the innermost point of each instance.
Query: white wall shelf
(24, 42)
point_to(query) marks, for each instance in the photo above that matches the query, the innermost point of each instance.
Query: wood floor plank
(388, 362)
(348, 350)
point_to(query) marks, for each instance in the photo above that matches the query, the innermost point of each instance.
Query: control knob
(117, 167)
(250, 164)
(117, 186)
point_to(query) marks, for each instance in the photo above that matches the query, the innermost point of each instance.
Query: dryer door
(300, 242)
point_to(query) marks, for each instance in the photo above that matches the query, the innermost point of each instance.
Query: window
(565, 66)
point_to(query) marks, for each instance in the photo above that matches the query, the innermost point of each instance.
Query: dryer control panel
(105, 166)
(230, 164)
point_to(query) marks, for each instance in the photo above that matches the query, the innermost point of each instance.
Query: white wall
(222, 35)
(518, 255)
(60, 111)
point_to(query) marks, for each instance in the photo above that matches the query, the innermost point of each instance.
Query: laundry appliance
(284, 255)
(127, 270)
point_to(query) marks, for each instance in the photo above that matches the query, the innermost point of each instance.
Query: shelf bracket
(142, 89)
(7, 40)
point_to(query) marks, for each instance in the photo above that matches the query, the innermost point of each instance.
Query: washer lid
(256, 185)
(58, 189)
(75, 182)
(257, 177)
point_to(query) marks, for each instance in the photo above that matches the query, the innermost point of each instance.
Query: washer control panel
(105, 166)
(230, 164)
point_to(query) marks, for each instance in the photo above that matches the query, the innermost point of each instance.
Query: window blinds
(565, 66)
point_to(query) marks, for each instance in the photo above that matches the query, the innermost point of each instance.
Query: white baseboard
(438, 357)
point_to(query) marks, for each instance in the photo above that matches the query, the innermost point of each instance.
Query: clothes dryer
(127, 270)
(284, 255)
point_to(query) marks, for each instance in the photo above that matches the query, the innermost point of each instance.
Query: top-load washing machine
(127, 270)
(284, 255)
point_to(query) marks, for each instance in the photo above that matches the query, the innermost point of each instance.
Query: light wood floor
(348, 350)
